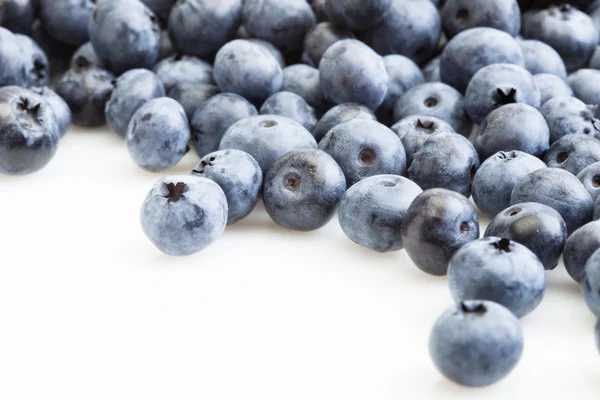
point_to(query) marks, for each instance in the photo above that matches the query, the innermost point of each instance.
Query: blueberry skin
(85, 56)
(551, 86)
(351, 72)
(413, 131)
(403, 74)
(473, 49)
(158, 134)
(476, 343)
(372, 211)
(166, 46)
(569, 31)
(302, 189)
(86, 91)
(201, 27)
(29, 131)
(290, 105)
(595, 60)
(558, 189)
(357, 14)
(418, 20)
(590, 286)
(339, 114)
(497, 176)
(267, 138)
(437, 224)
(240, 177)
(435, 99)
(573, 153)
(37, 64)
(14, 64)
(131, 91)
(271, 49)
(579, 248)
(192, 96)
(431, 70)
(364, 148)
(445, 160)
(247, 69)
(538, 227)
(58, 105)
(67, 20)
(586, 86)
(590, 178)
(460, 15)
(184, 214)
(17, 15)
(178, 69)
(513, 127)
(497, 85)
(540, 58)
(281, 22)
(319, 38)
(568, 115)
(210, 122)
(125, 35)
(596, 212)
(304, 81)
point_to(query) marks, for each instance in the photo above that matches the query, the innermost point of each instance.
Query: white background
(89, 309)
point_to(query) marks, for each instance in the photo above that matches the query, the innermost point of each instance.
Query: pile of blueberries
(391, 113)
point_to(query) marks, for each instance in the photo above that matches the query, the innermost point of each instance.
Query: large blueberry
(590, 178)
(551, 86)
(460, 15)
(14, 64)
(59, 106)
(339, 114)
(365, 148)
(590, 284)
(292, 106)
(67, 20)
(192, 96)
(179, 68)
(17, 15)
(437, 224)
(542, 59)
(303, 188)
(357, 14)
(586, 86)
(573, 153)
(413, 131)
(304, 81)
(568, 115)
(240, 177)
(373, 210)
(319, 38)
(184, 214)
(579, 247)
(36, 62)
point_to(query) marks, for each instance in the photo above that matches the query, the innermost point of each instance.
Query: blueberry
(513, 127)
(247, 69)
(579, 247)
(86, 91)
(201, 27)
(445, 160)
(568, 115)
(590, 284)
(497, 176)
(551, 86)
(413, 131)
(184, 214)
(67, 20)
(476, 343)
(178, 69)
(210, 122)
(290, 105)
(192, 96)
(125, 35)
(473, 49)
(85, 56)
(410, 28)
(29, 131)
(302, 189)
(240, 177)
(558, 189)
(372, 211)
(586, 86)
(364, 148)
(281, 22)
(351, 72)
(17, 15)
(573, 153)
(357, 14)
(158, 134)
(166, 46)
(267, 138)
(538, 227)
(58, 105)
(36, 64)
(460, 15)
(569, 31)
(319, 38)
(431, 70)
(339, 114)
(542, 59)
(590, 178)
(403, 74)
(437, 224)
(497, 85)
(14, 64)
(304, 81)
(131, 91)
(435, 99)
(271, 49)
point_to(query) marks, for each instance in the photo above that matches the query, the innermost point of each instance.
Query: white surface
(89, 309)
